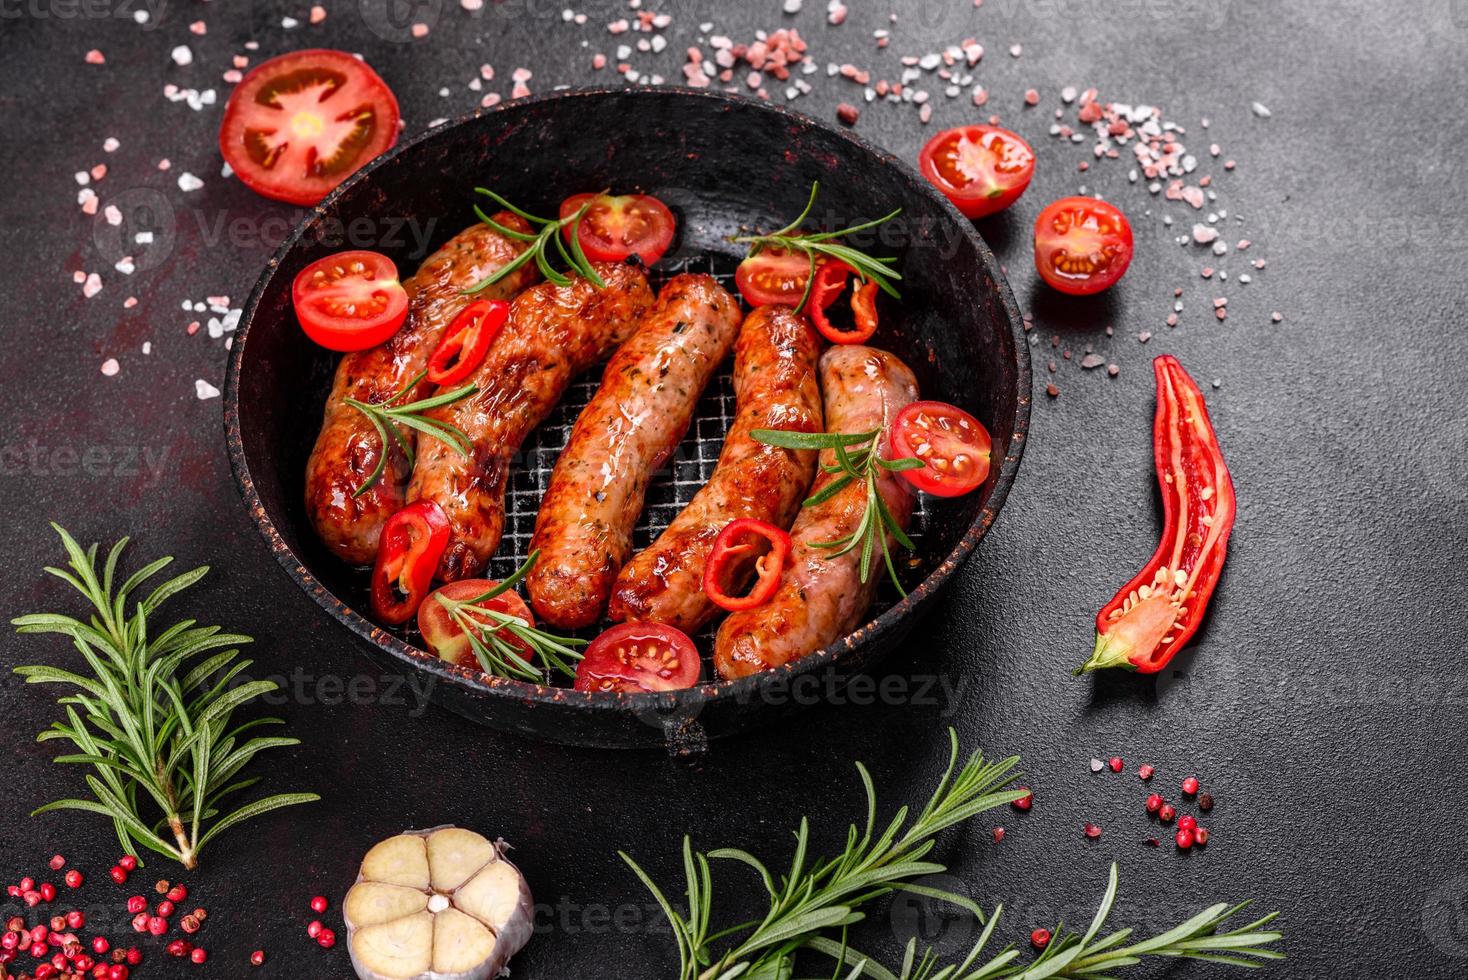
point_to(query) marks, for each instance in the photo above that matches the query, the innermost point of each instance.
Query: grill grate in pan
(673, 486)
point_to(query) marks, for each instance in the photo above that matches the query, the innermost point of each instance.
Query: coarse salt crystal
(95, 57)
(110, 367)
(199, 27)
(1261, 110)
(182, 56)
(113, 214)
(419, 29)
(147, 344)
(110, 144)
(204, 390)
(289, 22)
(92, 285)
(188, 182)
(471, 5)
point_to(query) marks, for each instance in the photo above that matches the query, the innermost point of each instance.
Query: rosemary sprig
(811, 908)
(548, 231)
(386, 416)
(858, 459)
(164, 752)
(808, 900)
(486, 629)
(1088, 954)
(792, 239)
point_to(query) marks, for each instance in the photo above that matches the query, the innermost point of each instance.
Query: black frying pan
(725, 165)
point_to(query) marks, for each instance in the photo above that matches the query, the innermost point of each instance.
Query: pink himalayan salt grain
(92, 286)
(95, 57)
(110, 367)
(471, 5)
(419, 29)
(164, 164)
(78, 277)
(490, 100)
(130, 302)
(198, 27)
(848, 113)
(520, 91)
(1032, 97)
(318, 14)
(618, 27)
(598, 62)
(240, 61)
(521, 75)
(233, 76)
(193, 328)
(99, 171)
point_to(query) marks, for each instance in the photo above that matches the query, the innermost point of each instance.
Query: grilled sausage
(553, 334)
(775, 387)
(348, 447)
(820, 597)
(626, 432)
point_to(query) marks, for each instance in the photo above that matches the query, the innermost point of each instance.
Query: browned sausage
(348, 448)
(553, 334)
(626, 432)
(775, 387)
(822, 598)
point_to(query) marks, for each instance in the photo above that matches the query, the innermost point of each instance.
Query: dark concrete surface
(1322, 704)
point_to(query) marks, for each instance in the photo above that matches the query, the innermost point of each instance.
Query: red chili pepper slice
(1159, 610)
(407, 555)
(729, 563)
(830, 281)
(466, 341)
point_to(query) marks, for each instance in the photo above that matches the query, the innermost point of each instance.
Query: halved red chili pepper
(729, 563)
(830, 281)
(466, 341)
(1159, 610)
(412, 542)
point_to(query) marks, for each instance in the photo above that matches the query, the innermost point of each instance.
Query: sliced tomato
(774, 277)
(1082, 245)
(300, 124)
(639, 657)
(954, 445)
(350, 300)
(467, 340)
(449, 642)
(615, 227)
(981, 169)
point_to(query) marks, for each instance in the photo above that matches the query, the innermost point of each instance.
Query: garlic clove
(461, 944)
(454, 855)
(370, 903)
(398, 950)
(401, 860)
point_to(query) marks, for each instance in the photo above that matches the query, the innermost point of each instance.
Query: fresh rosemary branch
(548, 231)
(858, 461)
(386, 417)
(498, 654)
(159, 742)
(824, 244)
(1088, 954)
(809, 900)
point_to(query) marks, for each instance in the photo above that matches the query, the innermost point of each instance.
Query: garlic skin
(437, 904)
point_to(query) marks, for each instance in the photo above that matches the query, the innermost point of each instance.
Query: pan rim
(620, 703)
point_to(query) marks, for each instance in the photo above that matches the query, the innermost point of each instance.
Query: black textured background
(1322, 704)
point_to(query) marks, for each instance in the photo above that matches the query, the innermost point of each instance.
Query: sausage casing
(821, 596)
(775, 387)
(625, 434)
(348, 448)
(553, 334)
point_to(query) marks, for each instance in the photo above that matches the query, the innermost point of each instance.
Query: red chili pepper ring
(407, 556)
(466, 341)
(733, 557)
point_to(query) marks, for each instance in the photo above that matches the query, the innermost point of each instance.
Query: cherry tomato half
(300, 124)
(745, 545)
(1082, 245)
(449, 642)
(615, 227)
(407, 555)
(350, 300)
(981, 169)
(639, 657)
(774, 277)
(954, 445)
(467, 340)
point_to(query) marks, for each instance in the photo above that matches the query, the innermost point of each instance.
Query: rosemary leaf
(162, 748)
